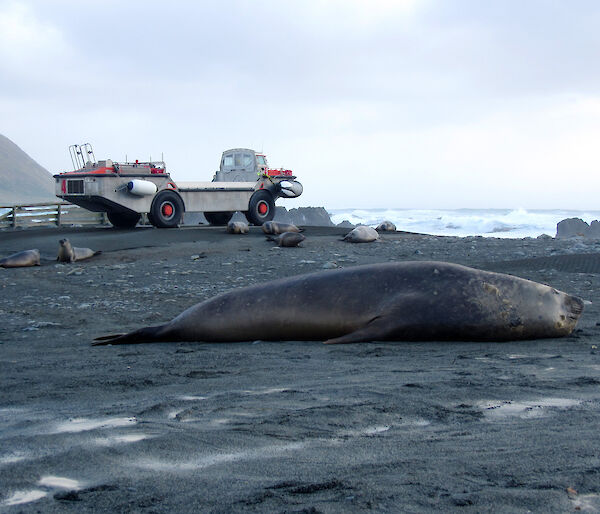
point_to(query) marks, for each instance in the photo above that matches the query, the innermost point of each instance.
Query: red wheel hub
(167, 210)
(263, 208)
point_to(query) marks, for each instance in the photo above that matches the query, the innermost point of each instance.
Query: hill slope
(22, 180)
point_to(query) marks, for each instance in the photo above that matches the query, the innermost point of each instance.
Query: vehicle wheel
(166, 210)
(261, 208)
(218, 218)
(123, 219)
(150, 218)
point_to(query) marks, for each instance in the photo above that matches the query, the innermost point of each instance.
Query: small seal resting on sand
(21, 259)
(386, 226)
(274, 227)
(67, 253)
(425, 301)
(361, 234)
(287, 239)
(237, 227)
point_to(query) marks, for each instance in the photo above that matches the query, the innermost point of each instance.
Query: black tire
(218, 218)
(167, 210)
(123, 219)
(261, 208)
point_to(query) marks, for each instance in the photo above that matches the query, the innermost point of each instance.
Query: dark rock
(572, 227)
(594, 231)
(301, 216)
(312, 216)
(282, 215)
(345, 224)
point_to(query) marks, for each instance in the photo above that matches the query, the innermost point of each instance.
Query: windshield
(260, 159)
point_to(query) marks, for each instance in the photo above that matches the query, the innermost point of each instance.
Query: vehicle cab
(245, 165)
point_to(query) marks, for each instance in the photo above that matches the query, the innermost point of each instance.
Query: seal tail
(97, 252)
(141, 335)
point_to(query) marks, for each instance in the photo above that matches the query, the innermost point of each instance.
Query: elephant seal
(274, 227)
(237, 227)
(21, 259)
(416, 300)
(386, 226)
(287, 239)
(361, 234)
(68, 253)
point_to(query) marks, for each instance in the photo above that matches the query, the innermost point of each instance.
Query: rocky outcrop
(576, 227)
(23, 179)
(312, 216)
(300, 216)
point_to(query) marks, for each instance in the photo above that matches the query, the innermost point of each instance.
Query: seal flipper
(378, 329)
(142, 335)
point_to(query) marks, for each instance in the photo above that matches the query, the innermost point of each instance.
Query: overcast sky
(374, 103)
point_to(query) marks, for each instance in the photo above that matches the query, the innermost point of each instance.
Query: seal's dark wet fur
(393, 301)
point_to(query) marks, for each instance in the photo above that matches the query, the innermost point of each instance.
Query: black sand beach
(284, 426)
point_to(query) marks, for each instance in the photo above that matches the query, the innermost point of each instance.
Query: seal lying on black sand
(386, 226)
(67, 253)
(274, 227)
(21, 259)
(391, 301)
(361, 234)
(237, 227)
(288, 239)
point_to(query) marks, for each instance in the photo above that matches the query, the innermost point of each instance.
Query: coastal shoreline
(284, 426)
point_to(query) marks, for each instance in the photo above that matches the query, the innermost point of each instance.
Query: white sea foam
(120, 439)
(85, 424)
(20, 497)
(13, 457)
(500, 409)
(515, 223)
(218, 458)
(173, 414)
(270, 390)
(60, 482)
(367, 431)
(586, 502)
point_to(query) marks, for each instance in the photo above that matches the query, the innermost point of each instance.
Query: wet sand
(284, 426)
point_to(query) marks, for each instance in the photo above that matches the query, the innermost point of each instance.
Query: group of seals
(275, 227)
(284, 234)
(419, 300)
(21, 259)
(68, 253)
(365, 234)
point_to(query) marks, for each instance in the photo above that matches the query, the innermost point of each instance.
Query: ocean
(507, 223)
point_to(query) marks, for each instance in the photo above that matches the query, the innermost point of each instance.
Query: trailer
(126, 190)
